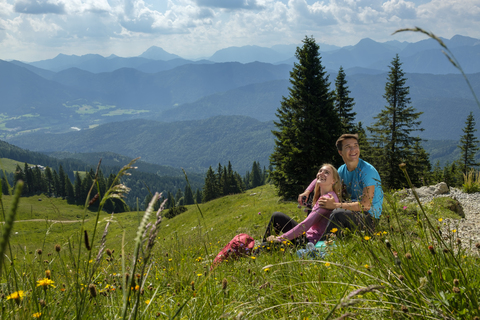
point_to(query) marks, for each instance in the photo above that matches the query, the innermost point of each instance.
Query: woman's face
(325, 176)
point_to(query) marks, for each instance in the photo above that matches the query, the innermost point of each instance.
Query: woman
(312, 228)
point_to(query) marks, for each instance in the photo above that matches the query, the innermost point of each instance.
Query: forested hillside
(193, 145)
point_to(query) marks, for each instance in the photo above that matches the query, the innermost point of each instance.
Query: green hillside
(372, 279)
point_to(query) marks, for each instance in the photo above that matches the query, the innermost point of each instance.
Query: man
(362, 182)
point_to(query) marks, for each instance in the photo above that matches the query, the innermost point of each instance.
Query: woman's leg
(279, 222)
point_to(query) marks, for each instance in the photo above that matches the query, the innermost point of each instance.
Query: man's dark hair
(343, 137)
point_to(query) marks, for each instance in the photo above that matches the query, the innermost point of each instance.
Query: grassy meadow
(138, 265)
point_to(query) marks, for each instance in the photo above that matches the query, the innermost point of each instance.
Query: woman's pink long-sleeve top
(314, 225)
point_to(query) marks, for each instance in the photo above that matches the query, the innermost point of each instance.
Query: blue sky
(32, 30)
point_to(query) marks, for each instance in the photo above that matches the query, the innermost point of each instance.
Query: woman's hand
(272, 239)
(326, 202)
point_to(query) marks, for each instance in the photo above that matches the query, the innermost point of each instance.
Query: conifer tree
(344, 104)
(210, 191)
(61, 176)
(198, 196)
(391, 133)
(188, 195)
(256, 175)
(468, 144)
(69, 192)
(307, 125)
(79, 195)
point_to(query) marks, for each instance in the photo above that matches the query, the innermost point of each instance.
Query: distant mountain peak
(157, 53)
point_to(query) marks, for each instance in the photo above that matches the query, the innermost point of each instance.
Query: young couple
(362, 182)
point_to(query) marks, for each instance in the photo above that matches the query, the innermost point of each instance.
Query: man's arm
(363, 205)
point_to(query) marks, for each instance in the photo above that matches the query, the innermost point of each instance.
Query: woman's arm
(363, 205)
(307, 192)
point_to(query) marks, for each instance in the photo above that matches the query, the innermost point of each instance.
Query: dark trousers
(280, 222)
(353, 220)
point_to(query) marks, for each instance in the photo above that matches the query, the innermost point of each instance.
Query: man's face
(350, 150)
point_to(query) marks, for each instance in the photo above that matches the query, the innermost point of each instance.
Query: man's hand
(301, 195)
(327, 203)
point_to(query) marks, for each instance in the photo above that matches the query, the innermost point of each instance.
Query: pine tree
(307, 125)
(255, 176)
(344, 104)
(468, 144)
(198, 196)
(210, 191)
(188, 195)
(61, 176)
(79, 195)
(69, 192)
(391, 133)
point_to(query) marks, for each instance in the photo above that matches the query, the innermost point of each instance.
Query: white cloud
(231, 4)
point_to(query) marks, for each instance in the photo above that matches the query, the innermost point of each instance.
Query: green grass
(360, 275)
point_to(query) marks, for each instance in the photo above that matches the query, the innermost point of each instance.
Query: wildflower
(17, 296)
(137, 287)
(454, 230)
(408, 256)
(147, 301)
(367, 238)
(334, 230)
(432, 250)
(266, 269)
(45, 282)
(199, 274)
(193, 285)
(39, 251)
(404, 207)
(58, 248)
(384, 232)
(109, 252)
(440, 219)
(253, 258)
(259, 213)
(401, 278)
(37, 315)
(367, 266)
(48, 274)
(327, 264)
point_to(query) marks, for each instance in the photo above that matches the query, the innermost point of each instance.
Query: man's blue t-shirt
(364, 175)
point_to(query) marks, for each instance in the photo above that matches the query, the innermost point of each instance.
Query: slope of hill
(193, 145)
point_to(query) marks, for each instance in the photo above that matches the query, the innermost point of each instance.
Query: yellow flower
(137, 287)
(440, 220)
(267, 269)
(367, 238)
(45, 282)
(384, 232)
(37, 315)
(334, 230)
(170, 259)
(253, 258)
(147, 301)
(367, 266)
(199, 274)
(18, 296)
(327, 264)
(454, 230)
(281, 249)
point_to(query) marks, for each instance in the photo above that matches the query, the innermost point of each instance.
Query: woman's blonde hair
(337, 186)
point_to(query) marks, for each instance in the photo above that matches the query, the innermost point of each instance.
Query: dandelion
(17, 296)
(253, 258)
(440, 220)
(366, 266)
(454, 230)
(199, 274)
(45, 282)
(37, 315)
(367, 238)
(327, 264)
(147, 301)
(334, 230)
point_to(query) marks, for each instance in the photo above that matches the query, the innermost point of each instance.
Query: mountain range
(177, 112)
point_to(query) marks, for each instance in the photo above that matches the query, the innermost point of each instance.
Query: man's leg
(343, 219)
